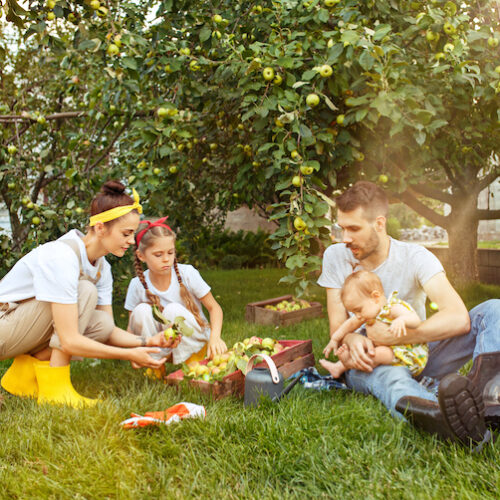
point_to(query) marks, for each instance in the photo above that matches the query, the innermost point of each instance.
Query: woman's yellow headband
(116, 212)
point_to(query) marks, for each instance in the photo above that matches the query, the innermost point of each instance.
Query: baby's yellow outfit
(413, 356)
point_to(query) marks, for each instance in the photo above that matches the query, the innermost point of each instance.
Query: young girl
(55, 303)
(363, 295)
(178, 289)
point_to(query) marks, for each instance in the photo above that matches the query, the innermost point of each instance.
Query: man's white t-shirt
(136, 294)
(406, 270)
(50, 273)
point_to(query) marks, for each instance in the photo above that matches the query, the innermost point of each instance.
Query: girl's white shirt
(136, 294)
(50, 273)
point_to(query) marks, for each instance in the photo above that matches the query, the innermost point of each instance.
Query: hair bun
(113, 188)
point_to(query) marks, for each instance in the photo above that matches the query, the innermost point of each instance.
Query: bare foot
(334, 369)
(343, 354)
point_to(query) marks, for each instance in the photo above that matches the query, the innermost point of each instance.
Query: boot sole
(462, 407)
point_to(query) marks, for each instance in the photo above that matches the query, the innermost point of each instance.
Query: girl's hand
(159, 340)
(215, 346)
(140, 357)
(398, 327)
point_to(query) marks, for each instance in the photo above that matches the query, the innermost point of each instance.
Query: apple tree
(278, 104)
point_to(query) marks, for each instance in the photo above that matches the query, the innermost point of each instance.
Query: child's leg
(338, 368)
(384, 355)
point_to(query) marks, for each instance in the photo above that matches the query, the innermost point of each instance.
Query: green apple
(157, 171)
(217, 18)
(325, 71)
(102, 11)
(312, 100)
(497, 69)
(268, 73)
(299, 224)
(297, 180)
(186, 51)
(448, 47)
(11, 149)
(449, 29)
(430, 36)
(162, 112)
(433, 306)
(268, 343)
(170, 333)
(278, 80)
(331, 3)
(340, 119)
(172, 169)
(95, 4)
(383, 178)
(112, 49)
(493, 42)
(50, 4)
(50, 16)
(306, 169)
(450, 8)
(439, 55)
(79, 210)
(35, 220)
(295, 154)
(11, 185)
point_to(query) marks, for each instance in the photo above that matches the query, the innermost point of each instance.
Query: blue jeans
(390, 383)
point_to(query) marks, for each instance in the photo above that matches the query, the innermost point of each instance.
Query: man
(453, 334)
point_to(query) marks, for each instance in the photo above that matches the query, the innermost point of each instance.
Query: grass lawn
(310, 445)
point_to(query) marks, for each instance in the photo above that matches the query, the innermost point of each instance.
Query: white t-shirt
(406, 270)
(50, 273)
(136, 294)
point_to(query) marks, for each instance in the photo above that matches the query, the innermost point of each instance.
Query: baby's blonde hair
(365, 282)
(146, 241)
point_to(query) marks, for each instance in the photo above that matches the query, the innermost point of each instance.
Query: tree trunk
(462, 240)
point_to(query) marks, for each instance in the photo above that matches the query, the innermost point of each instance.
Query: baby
(363, 295)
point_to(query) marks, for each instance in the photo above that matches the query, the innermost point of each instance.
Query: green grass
(494, 244)
(310, 445)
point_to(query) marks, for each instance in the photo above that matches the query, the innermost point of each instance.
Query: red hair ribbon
(159, 222)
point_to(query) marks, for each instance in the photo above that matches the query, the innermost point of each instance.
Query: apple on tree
(268, 74)
(312, 100)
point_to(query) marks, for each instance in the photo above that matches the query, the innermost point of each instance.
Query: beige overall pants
(26, 327)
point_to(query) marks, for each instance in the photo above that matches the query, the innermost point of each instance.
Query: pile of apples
(289, 305)
(234, 359)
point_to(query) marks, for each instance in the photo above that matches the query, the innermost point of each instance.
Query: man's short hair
(367, 195)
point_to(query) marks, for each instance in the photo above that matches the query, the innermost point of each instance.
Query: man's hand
(361, 350)
(331, 346)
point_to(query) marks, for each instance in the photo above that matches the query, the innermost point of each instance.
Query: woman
(55, 303)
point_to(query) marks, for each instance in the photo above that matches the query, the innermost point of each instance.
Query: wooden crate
(255, 312)
(296, 355)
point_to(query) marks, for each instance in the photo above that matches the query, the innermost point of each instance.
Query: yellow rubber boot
(197, 356)
(20, 378)
(54, 387)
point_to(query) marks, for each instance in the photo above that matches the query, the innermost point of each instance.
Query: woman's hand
(215, 346)
(140, 357)
(159, 340)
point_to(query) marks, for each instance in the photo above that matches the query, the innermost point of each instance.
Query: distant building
(489, 198)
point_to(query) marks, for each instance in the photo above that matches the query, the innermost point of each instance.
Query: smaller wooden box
(296, 355)
(255, 312)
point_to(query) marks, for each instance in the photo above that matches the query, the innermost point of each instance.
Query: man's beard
(370, 248)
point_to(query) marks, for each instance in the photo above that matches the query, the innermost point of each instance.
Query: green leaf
(381, 31)
(129, 62)
(205, 34)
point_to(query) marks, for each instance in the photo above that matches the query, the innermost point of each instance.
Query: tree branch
(430, 192)
(488, 179)
(411, 200)
(487, 214)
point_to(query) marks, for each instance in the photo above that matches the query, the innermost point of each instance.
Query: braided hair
(147, 239)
